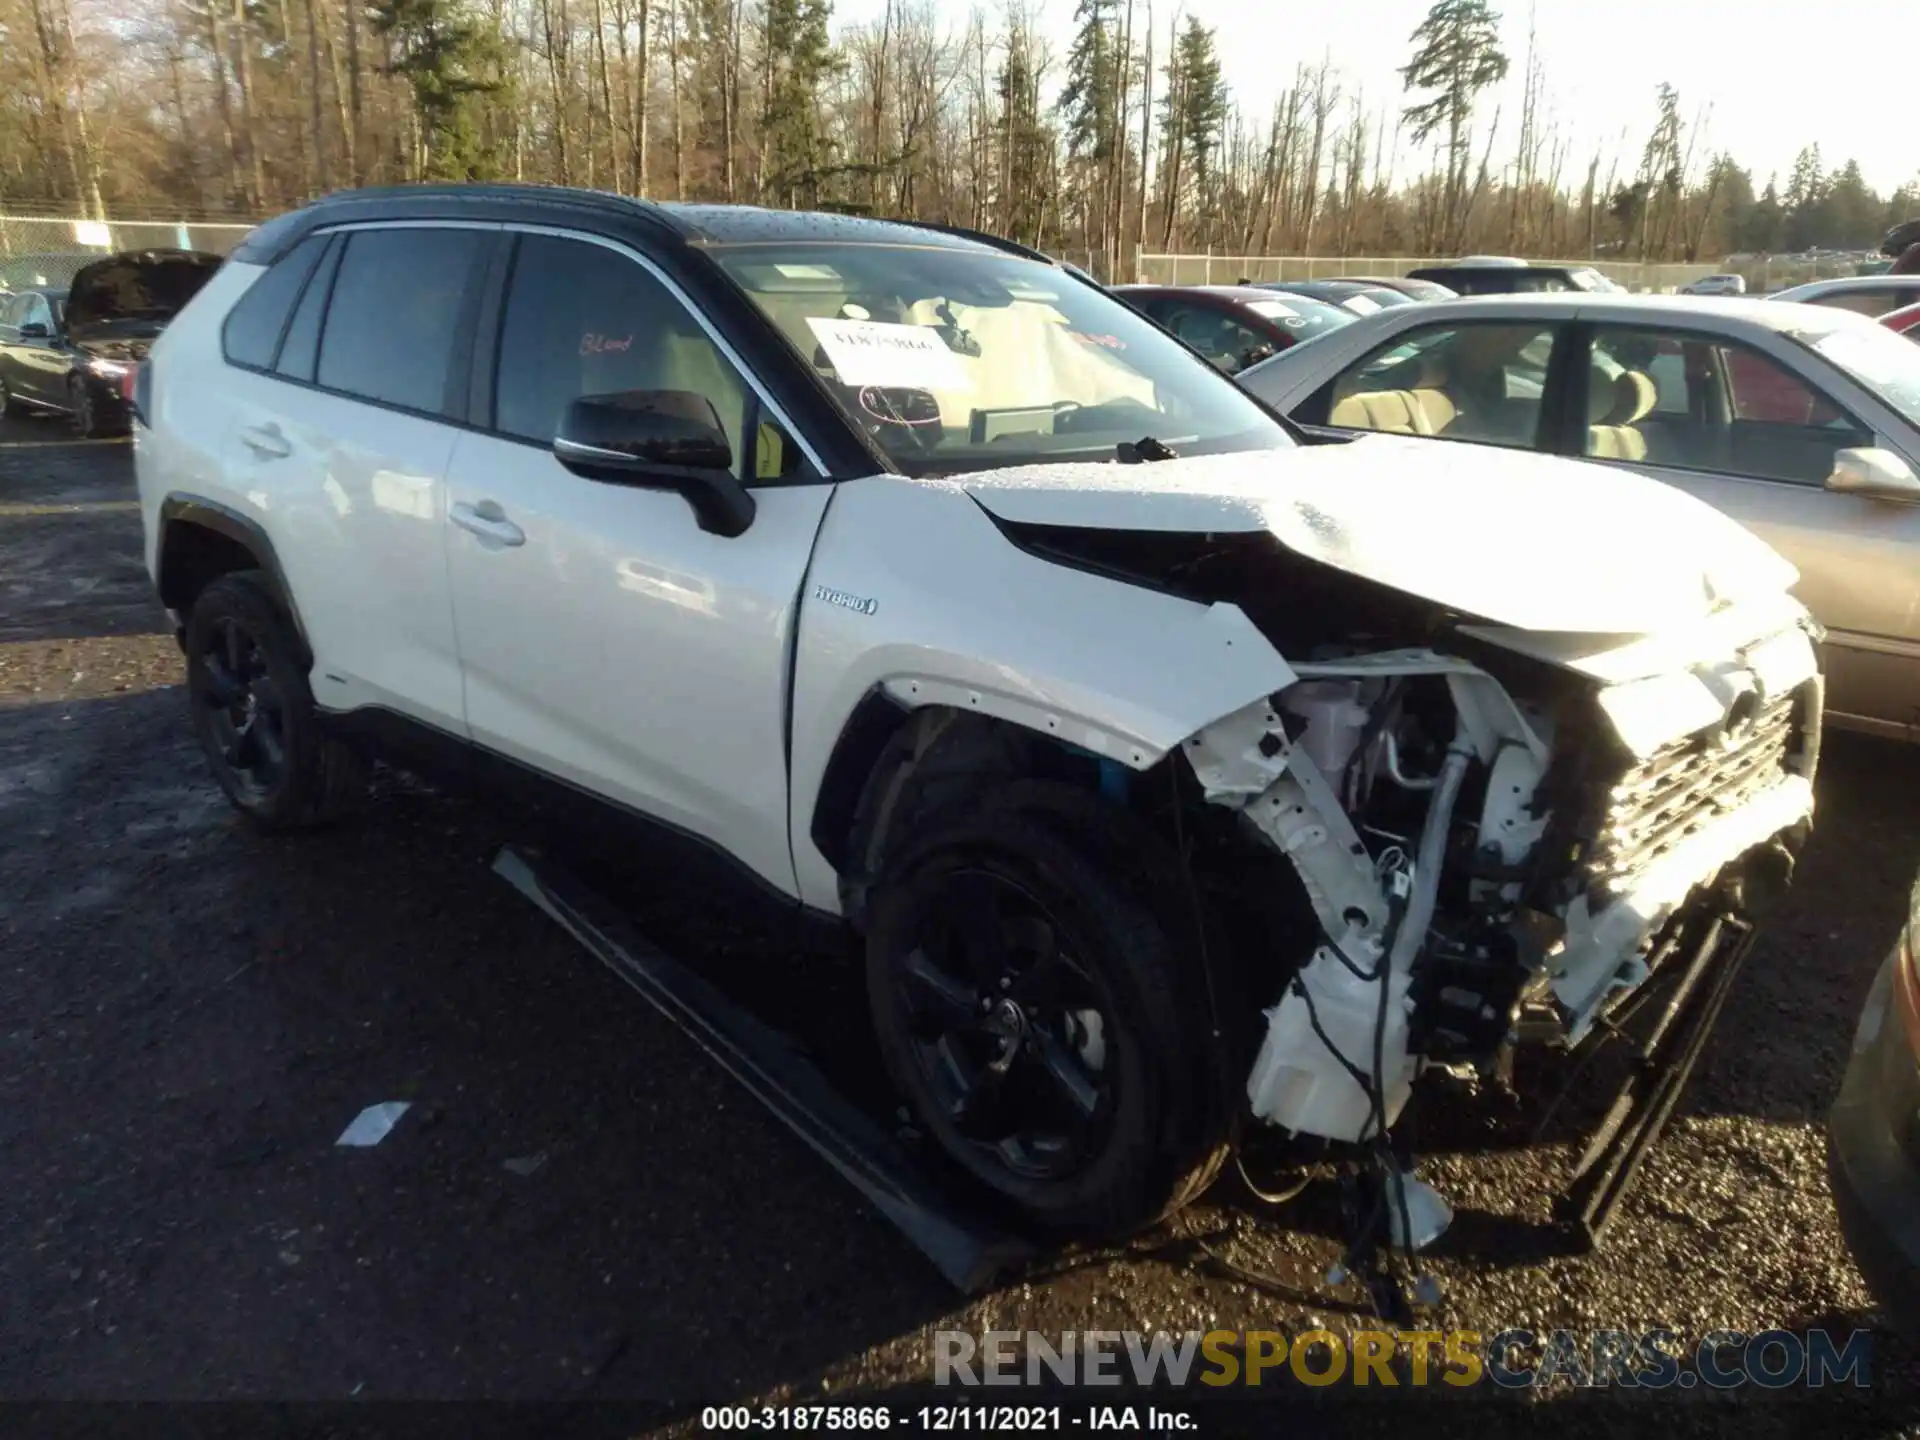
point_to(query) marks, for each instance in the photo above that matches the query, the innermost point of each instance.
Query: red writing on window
(1105, 342)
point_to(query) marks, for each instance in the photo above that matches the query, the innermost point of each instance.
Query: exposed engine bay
(1499, 831)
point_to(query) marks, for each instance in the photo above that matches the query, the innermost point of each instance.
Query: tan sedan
(1800, 421)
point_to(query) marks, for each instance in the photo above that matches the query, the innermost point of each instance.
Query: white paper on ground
(908, 357)
(372, 1124)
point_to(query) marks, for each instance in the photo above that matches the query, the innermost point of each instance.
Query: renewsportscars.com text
(1513, 1358)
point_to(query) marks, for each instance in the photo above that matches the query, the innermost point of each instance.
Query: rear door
(1755, 437)
(345, 433)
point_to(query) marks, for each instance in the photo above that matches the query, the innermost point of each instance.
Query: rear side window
(300, 351)
(396, 327)
(251, 336)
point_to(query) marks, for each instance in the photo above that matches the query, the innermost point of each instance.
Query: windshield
(956, 360)
(1306, 318)
(1886, 363)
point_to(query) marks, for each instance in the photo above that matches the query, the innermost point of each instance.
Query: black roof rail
(489, 200)
(982, 237)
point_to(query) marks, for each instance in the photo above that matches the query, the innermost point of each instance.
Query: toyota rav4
(1175, 774)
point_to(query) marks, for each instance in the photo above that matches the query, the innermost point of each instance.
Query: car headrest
(1600, 396)
(1633, 398)
(1431, 373)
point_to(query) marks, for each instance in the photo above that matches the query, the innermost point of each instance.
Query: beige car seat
(1614, 413)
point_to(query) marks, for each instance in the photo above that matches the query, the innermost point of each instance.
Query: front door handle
(266, 441)
(489, 522)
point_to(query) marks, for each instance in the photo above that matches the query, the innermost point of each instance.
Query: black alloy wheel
(244, 712)
(83, 408)
(1038, 1019)
(1007, 1027)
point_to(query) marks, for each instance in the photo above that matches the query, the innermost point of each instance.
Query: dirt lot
(191, 1013)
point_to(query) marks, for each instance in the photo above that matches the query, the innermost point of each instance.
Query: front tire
(83, 409)
(1034, 1014)
(253, 712)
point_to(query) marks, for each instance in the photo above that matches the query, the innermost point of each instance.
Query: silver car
(1869, 295)
(1801, 421)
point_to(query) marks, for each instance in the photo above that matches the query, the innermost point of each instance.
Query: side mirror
(34, 330)
(1879, 474)
(662, 440)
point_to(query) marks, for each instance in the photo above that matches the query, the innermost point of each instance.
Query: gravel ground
(191, 1013)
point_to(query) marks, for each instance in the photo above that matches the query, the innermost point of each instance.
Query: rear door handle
(487, 520)
(266, 440)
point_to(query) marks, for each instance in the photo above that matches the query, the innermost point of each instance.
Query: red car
(1905, 320)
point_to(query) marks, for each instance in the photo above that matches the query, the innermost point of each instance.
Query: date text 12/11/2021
(938, 1419)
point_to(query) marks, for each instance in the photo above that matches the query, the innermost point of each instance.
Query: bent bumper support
(1634, 1122)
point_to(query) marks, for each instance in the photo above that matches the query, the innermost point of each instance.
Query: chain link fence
(1210, 269)
(39, 250)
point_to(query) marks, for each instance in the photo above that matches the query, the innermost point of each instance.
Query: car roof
(1240, 293)
(1841, 283)
(1754, 314)
(690, 224)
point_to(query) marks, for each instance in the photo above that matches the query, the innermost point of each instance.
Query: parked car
(1487, 275)
(1716, 285)
(1352, 295)
(1904, 321)
(942, 596)
(1802, 423)
(1412, 289)
(69, 351)
(1234, 326)
(1869, 295)
(1873, 1132)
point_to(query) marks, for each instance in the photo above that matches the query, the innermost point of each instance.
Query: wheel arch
(201, 540)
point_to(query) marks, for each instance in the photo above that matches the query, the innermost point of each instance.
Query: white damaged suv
(1178, 775)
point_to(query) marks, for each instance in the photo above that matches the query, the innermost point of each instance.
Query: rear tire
(1041, 1024)
(254, 714)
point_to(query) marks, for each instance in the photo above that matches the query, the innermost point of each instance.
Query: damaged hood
(1523, 540)
(137, 291)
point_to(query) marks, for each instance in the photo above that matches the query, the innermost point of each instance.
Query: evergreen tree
(446, 59)
(1199, 105)
(1457, 54)
(799, 57)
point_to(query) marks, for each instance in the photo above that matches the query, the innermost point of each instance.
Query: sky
(1774, 85)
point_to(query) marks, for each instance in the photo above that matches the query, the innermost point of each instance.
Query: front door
(1756, 440)
(606, 640)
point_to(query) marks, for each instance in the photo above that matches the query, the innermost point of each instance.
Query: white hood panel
(1524, 540)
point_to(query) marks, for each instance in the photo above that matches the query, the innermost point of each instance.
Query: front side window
(1694, 402)
(393, 323)
(1479, 382)
(585, 320)
(38, 313)
(956, 360)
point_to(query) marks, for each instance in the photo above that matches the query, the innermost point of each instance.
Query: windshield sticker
(593, 343)
(892, 405)
(1105, 342)
(871, 352)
